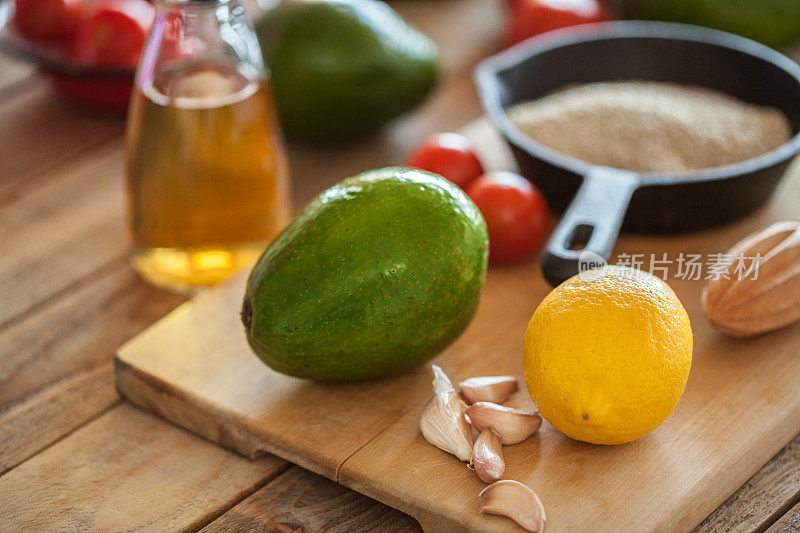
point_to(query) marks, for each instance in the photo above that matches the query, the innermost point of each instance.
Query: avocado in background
(775, 23)
(375, 276)
(343, 68)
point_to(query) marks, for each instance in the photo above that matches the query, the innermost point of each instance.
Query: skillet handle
(593, 218)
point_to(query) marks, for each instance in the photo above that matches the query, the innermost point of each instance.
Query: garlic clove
(496, 389)
(441, 383)
(487, 456)
(513, 425)
(443, 423)
(516, 501)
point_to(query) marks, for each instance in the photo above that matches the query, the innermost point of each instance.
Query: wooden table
(72, 454)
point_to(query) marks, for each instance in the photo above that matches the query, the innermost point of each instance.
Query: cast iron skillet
(602, 200)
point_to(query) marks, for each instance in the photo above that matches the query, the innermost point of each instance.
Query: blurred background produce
(773, 22)
(87, 48)
(343, 68)
(527, 18)
(47, 20)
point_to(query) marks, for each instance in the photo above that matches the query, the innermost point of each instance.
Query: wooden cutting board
(741, 405)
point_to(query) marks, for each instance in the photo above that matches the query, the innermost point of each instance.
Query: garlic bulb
(442, 422)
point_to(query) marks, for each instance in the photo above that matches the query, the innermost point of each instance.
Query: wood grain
(77, 332)
(763, 499)
(55, 373)
(789, 523)
(40, 132)
(128, 471)
(298, 500)
(70, 228)
(59, 409)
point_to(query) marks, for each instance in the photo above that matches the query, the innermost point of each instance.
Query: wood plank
(763, 499)
(128, 471)
(70, 228)
(789, 523)
(77, 333)
(40, 132)
(33, 425)
(299, 500)
(55, 371)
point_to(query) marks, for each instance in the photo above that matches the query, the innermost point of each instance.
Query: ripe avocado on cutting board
(741, 405)
(373, 277)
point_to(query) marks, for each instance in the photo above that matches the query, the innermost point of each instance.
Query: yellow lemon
(607, 355)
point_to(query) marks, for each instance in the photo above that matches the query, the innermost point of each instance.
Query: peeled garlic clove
(443, 423)
(513, 425)
(496, 389)
(487, 456)
(516, 501)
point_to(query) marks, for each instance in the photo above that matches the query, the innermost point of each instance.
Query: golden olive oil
(207, 178)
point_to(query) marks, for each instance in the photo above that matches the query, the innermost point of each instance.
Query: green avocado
(343, 68)
(773, 22)
(375, 276)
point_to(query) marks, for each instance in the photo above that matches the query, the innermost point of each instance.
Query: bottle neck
(202, 31)
(220, 9)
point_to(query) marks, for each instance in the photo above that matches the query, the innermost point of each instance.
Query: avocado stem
(247, 314)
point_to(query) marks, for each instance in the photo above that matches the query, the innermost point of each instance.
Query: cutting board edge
(690, 520)
(430, 521)
(152, 394)
(744, 465)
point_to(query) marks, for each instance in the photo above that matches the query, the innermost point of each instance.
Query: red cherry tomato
(47, 20)
(450, 155)
(113, 33)
(532, 17)
(516, 214)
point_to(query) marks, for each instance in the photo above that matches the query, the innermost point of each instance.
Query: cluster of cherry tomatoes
(107, 33)
(515, 210)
